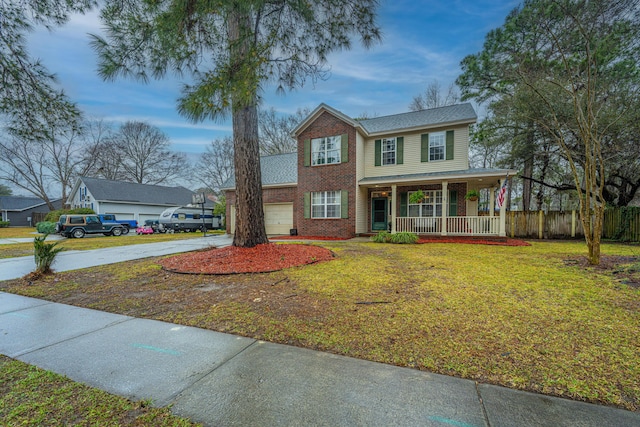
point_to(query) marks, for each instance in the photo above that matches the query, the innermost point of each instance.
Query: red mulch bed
(308, 238)
(233, 260)
(474, 241)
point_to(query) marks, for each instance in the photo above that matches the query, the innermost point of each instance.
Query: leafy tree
(28, 97)
(433, 97)
(577, 60)
(231, 50)
(5, 190)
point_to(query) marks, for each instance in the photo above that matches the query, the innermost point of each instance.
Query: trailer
(188, 218)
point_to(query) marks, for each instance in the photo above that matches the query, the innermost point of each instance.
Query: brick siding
(340, 176)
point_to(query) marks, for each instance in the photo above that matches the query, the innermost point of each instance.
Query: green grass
(15, 232)
(521, 317)
(88, 242)
(30, 396)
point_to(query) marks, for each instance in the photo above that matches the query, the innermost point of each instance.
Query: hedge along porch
(444, 210)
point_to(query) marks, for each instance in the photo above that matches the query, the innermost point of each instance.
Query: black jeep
(79, 225)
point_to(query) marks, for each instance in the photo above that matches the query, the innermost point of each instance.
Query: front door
(379, 213)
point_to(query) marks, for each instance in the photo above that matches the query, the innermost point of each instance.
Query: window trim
(443, 144)
(325, 204)
(383, 145)
(315, 142)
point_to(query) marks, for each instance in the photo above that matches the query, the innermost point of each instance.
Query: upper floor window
(389, 151)
(325, 151)
(325, 204)
(437, 146)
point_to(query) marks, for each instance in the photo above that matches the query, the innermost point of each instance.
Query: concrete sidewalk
(225, 380)
(13, 268)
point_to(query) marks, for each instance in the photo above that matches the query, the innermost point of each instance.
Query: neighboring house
(25, 211)
(128, 200)
(357, 176)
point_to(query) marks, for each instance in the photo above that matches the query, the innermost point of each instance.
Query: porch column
(445, 207)
(393, 208)
(503, 216)
(492, 201)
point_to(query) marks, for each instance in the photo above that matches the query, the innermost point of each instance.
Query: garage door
(144, 217)
(278, 218)
(122, 215)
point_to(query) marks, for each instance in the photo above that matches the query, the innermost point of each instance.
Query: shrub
(404, 237)
(4, 224)
(46, 227)
(54, 216)
(44, 254)
(381, 237)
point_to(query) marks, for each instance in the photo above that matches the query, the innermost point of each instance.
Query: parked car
(79, 225)
(111, 219)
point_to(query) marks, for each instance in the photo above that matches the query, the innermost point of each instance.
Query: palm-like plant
(44, 254)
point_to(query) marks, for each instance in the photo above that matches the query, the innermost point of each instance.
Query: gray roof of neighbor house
(105, 190)
(21, 203)
(277, 169)
(418, 119)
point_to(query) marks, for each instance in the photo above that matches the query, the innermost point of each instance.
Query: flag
(501, 193)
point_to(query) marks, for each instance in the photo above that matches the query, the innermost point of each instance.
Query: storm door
(379, 213)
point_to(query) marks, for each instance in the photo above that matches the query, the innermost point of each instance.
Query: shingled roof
(418, 119)
(105, 190)
(21, 203)
(277, 169)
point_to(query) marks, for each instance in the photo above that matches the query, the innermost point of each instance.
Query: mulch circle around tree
(234, 260)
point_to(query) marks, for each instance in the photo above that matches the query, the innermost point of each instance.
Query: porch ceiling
(480, 177)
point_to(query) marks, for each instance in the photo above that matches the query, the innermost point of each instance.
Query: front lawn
(15, 232)
(534, 318)
(30, 396)
(94, 242)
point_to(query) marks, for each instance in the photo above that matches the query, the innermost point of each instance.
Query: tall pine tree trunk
(250, 229)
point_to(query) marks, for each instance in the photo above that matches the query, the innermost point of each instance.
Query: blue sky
(423, 41)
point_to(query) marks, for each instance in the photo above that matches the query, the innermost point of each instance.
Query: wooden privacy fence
(622, 224)
(619, 223)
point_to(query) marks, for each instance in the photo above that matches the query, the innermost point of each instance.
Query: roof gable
(317, 113)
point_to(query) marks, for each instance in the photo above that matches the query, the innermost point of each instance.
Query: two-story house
(354, 177)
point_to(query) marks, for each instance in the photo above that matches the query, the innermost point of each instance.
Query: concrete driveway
(14, 268)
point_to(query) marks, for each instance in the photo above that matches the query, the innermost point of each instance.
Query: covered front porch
(394, 203)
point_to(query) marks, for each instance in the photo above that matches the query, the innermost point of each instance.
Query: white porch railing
(456, 225)
(419, 225)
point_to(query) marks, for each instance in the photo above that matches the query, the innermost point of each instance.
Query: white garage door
(278, 218)
(144, 217)
(122, 215)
